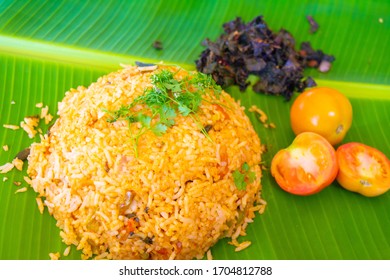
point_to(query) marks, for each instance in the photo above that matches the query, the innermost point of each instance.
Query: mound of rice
(174, 200)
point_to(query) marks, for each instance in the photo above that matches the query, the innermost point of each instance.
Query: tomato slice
(307, 166)
(363, 169)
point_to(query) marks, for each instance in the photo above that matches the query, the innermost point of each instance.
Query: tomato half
(307, 166)
(363, 169)
(322, 110)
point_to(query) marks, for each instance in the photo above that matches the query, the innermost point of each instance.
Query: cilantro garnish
(241, 178)
(167, 98)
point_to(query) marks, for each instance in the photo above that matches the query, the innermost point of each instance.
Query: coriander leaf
(196, 101)
(144, 120)
(251, 176)
(112, 120)
(161, 78)
(203, 81)
(131, 119)
(239, 180)
(173, 86)
(120, 113)
(159, 129)
(184, 110)
(245, 167)
(154, 97)
(169, 112)
(188, 102)
(167, 115)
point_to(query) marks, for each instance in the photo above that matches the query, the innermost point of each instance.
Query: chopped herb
(241, 178)
(253, 49)
(167, 98)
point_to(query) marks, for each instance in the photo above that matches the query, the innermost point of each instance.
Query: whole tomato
(322, 110)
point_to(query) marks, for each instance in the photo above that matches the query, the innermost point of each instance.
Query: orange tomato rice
(174, 200)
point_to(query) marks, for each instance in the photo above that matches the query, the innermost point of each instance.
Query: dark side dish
(246, 49)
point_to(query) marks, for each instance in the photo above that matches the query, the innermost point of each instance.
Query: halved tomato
(363, 169)
(307, 166)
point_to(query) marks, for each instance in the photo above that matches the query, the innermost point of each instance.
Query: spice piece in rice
(23, 154)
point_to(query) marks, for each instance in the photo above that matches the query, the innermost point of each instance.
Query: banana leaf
(48, 47)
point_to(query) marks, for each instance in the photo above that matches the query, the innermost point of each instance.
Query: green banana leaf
(48, 47)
